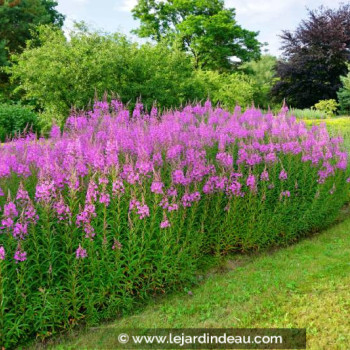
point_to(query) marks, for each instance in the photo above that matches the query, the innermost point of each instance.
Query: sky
(269, 17)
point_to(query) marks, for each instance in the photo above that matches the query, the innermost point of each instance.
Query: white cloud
(125, 6)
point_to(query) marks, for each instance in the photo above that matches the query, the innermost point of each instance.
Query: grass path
(305, 285)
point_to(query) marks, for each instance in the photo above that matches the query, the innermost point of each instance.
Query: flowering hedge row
(122, 207)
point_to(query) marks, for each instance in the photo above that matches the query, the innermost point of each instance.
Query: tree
(18, 19)
(263, 76)
(60, 74)
(315, 56)
(204, 28)
(226, 89)
(344, 93)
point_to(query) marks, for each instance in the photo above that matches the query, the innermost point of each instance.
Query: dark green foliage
(15, 120)
(19, 17)
(18, 21)
(315, 56)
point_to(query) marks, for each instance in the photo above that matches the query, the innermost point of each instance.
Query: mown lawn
(305, 285)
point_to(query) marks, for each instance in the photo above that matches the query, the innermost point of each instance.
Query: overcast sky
(269, 17)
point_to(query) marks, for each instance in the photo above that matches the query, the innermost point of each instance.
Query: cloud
(125, 6)
(71, 8)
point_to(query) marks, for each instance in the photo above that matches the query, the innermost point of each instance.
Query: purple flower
(138, 110)
(30, 214)
(285, 194)
(207, 105)
(264, 176)
(165, 223)
(179, 177)
(251, 182)
(20, 255)
(92, 192)
(104, 199)
(55, 132)
(142, 211)
(22, 195)
(234, 188)
(172, 192)
(7, 223)
(62, 210)
(225, 159)
(2, 253)
(189, 198)
(174, 152)
(270, 158)
(283, 175)
(157, 187)
(172, 207)
(118, 187)
(185, 156)
(154, 112)
(84, 220)
(10, 210)
(132, 178)
(89, 230)
(20, 230)
(134, 204)
(103, 180)
(81, 253)
(45, 191)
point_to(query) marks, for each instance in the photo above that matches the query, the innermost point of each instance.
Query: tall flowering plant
(120, 207)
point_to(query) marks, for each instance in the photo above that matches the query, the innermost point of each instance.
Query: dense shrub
(226, 89)
(122, 207)
(61, 73)
(329, 107)
(16, 120)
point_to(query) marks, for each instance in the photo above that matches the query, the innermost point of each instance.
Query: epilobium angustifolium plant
(120, 207)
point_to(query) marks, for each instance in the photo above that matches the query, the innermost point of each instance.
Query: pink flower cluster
(176, 159)
(17, 217)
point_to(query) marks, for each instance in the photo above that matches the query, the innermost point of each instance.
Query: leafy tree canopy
(263, 76)
(204, 28)
(315, 56)
(60, 74)
(18, 19)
